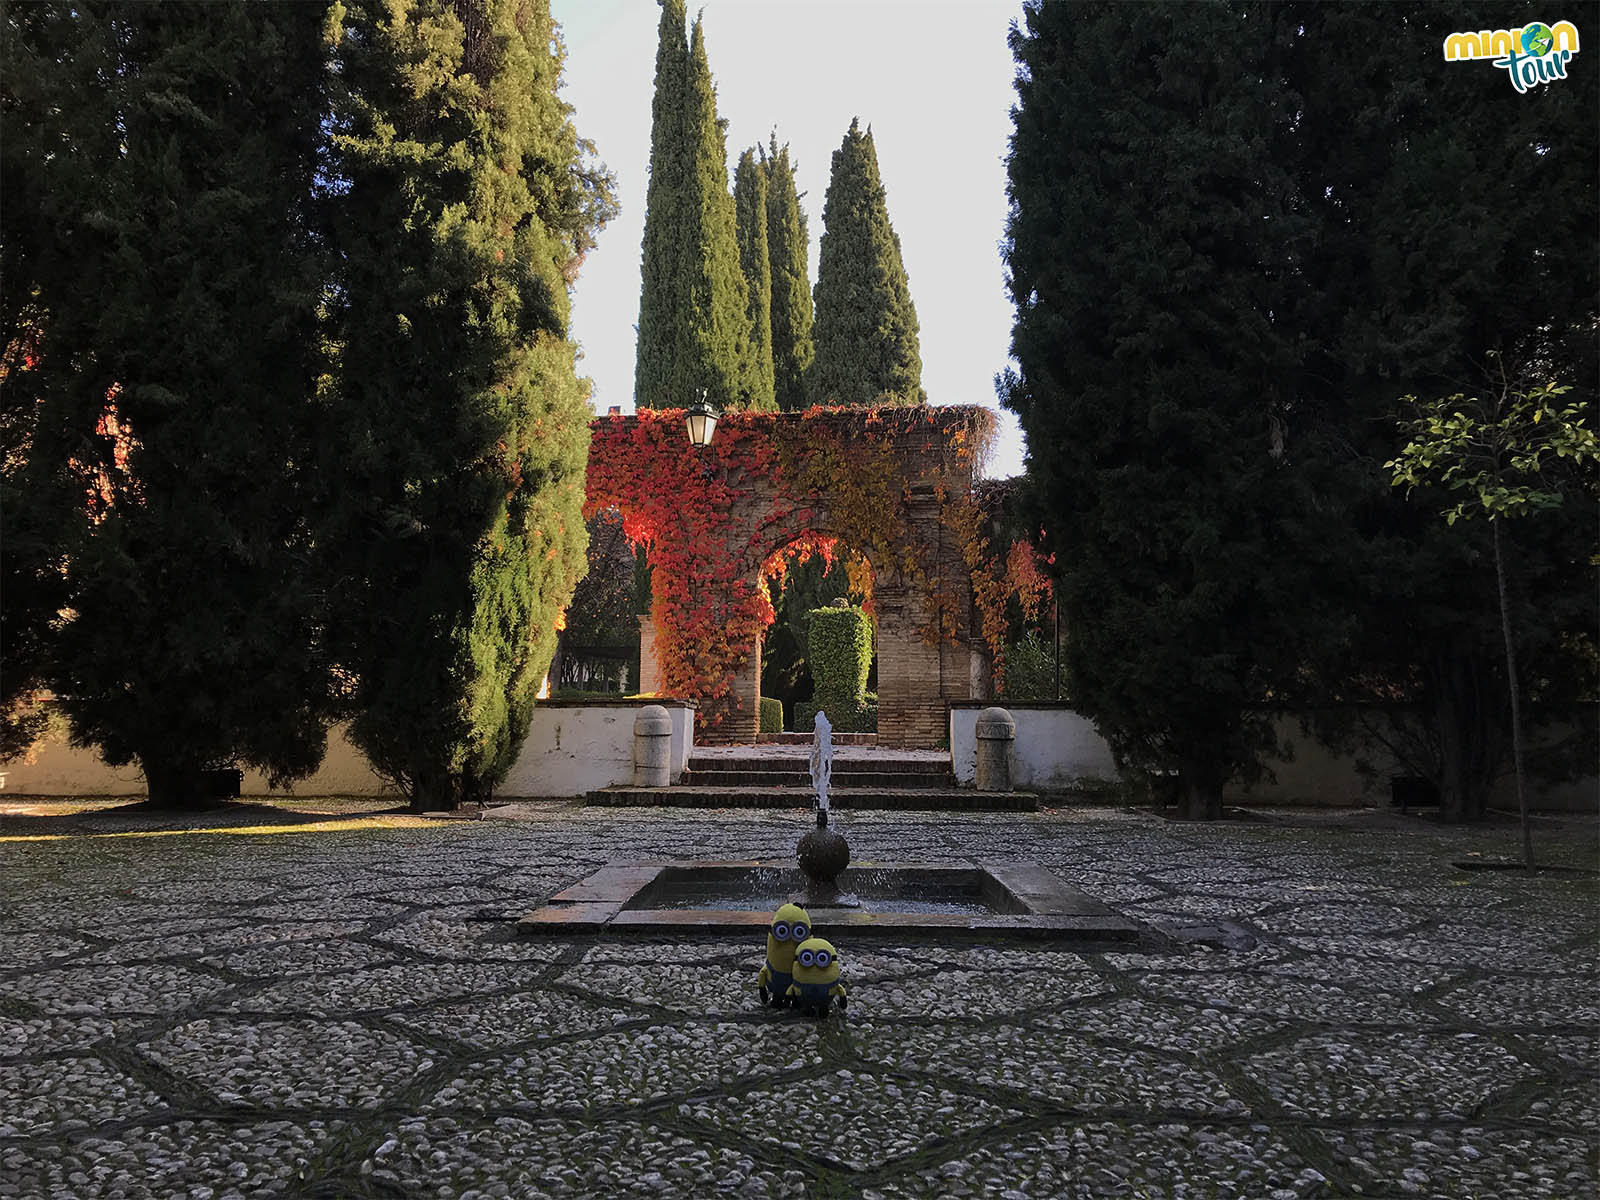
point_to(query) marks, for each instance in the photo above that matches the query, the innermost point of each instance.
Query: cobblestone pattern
(349, 1014)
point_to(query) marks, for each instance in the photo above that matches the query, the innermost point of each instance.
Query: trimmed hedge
(839, 651)
(861, 717)
(771, 714)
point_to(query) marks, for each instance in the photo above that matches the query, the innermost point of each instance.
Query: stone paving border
(347, 1012)
(1027, 901)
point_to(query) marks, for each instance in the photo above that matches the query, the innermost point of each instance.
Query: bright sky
(933, 78)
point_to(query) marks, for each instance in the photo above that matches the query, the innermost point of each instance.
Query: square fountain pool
(985, 898)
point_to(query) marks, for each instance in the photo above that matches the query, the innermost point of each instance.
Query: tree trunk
(1200, 789)
(178, 787)
(440, 793)
(1516, 700)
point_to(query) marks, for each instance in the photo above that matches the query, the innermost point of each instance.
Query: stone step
(881, 776)
(801, 767)
(930, 798)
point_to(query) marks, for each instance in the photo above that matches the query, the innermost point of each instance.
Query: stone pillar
(649, 670)
(911, 712)
(652, 747)
(743, 714)
(996, 736)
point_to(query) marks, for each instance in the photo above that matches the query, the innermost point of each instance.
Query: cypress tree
(174, 376)
(694, 323)
(866, 328)
(787, 249)
(59, 125)
(750, 204)
(1152, 370)
(1438, 231)
(663, 306)
(714, 352)
(462, 208)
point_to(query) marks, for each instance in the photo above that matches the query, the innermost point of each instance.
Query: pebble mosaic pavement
(346, 1012)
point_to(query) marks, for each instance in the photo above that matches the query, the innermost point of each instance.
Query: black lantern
(702, 422)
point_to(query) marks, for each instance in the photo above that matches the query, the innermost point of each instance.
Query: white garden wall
(1057, 750)
(571, 748)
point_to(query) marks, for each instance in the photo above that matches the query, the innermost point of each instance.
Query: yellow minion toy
(816, 978)
(790, 926)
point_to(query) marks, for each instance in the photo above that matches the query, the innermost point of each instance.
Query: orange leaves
(829, 476)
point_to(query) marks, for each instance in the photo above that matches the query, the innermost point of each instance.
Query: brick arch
(755, 503)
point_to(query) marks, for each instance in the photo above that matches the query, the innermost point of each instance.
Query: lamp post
(701, 420)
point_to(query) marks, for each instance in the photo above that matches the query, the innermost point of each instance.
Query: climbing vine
(835, 477)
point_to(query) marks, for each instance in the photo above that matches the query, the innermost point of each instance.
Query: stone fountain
(989, 898)
(823, 853)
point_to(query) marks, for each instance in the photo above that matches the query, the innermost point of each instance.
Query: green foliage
(1496, 450)
(1455, 224)
(750, 205)
(601, 612)
(787, 253)
(1151, 370)
(866, 326)
(771, 714)
(160, 258)
(463, 205)
(1207, 374)
(694, 321)
(1030, 669)
(663, 307)
(845, 716)
(839, 649)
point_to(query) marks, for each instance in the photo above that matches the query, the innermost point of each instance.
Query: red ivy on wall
(836, 476)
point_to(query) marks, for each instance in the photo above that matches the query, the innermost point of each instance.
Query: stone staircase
(777, 775)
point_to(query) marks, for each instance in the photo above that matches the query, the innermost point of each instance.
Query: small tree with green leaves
(1498, 456)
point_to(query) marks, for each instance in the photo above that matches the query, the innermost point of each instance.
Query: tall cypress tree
(1153, 374)
(663, 306)
(462, 207)
(714, 350)
(750, 205)
(174, 383)
(60, 123)
(787, 253)
(866, 331)
(694, 324)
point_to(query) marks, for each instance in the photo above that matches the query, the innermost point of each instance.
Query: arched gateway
(892, 483)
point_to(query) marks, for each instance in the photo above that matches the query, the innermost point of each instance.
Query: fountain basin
(990, 898)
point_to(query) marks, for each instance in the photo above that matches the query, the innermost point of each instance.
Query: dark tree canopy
(461, 426)
(1460, 223)
(1148, 250)
(159, 241)
(866, 327)
(787, 252)
(1237, 238)
(750, 204)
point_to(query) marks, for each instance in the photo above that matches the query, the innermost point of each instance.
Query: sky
(933, 79)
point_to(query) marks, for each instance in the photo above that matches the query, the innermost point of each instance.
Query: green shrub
(771, 714)
(839, 650)
(859, 717)
(1030, 669)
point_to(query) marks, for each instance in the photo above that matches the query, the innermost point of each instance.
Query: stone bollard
(652, 747)
(996, 732)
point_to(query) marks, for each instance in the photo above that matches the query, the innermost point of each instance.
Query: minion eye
(798, 933)
(807, 958)
(781, 931)
(822, 958)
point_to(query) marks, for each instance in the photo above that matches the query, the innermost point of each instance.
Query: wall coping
(664, 701)
(1047, 705)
